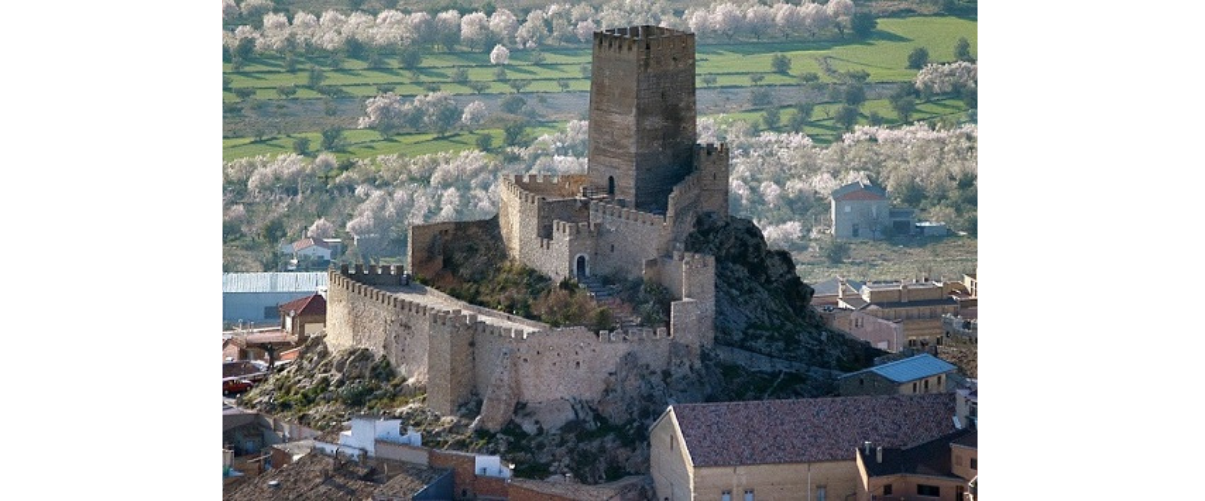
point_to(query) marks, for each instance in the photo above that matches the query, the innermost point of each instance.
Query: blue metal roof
(911, 369)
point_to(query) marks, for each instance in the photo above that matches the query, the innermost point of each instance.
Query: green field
(368, 143)
(823, 130)
(884, 56)
(882, 260)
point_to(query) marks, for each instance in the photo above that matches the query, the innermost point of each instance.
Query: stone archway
(580, 267)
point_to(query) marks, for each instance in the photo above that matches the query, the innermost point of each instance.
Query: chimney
(878, 454)
(866, 446)
(841, 295)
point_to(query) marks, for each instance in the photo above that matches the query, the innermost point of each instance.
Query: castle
(646, 183)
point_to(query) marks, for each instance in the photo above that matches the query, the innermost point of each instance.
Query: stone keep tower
(642, 114)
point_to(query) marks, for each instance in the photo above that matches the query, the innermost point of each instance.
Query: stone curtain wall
(626, 238)
(457, 354)
(362, 316)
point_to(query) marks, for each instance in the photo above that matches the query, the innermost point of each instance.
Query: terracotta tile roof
(859, 191)
(808, 430)
(306, 243)
(568, 490)
(312, 305)
(269, 337)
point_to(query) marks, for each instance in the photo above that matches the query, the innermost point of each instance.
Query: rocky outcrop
(761, 303)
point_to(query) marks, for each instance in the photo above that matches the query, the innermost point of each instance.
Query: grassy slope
(368, 143)
(936, 257)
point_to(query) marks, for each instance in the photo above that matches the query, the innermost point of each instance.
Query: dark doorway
(611, 186)
(581, 267)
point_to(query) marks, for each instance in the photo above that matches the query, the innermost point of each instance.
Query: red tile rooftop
(310, 305)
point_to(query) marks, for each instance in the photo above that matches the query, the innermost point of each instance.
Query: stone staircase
(604, 294)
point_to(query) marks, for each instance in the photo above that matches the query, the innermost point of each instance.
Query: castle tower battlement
(642, 113)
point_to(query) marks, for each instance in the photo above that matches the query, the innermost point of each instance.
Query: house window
(974, 463)
(913, 387)
(821, 494)
(928, 490)
(847, 209)
(748, 494)
(672, 439)
(926, 386)
(887, 490)
(726, 496)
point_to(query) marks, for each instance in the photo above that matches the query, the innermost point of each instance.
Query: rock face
(762, 305)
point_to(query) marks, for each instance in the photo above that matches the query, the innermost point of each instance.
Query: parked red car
(236, 386)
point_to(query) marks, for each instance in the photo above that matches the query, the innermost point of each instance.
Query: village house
(785, 449)
(940, 469)
(862, 210)
(917, 305)
(304, 317)
(922, 373)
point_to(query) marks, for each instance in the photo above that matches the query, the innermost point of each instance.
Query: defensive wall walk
(424, 296)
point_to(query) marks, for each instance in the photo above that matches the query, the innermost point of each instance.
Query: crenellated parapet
(642, 41)
(634, 334)
(600, 211)
(694, 260)
(568, 229)
(373, 274)
(532, 186)
(711, 153)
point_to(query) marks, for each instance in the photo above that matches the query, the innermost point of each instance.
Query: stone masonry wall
(626, 238)
(426, 243)
(642, 112)
(362, 316)
(457, 354)
(450, 361)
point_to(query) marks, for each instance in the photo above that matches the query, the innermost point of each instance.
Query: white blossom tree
(585, 30)
(321, 229)
(475, 30)
(759, 19)
(500, 55)
(447, 29)
(504, 25)
(532, 32)
(727, 19)
(386, 114)
(946, 78)
(474, 115)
